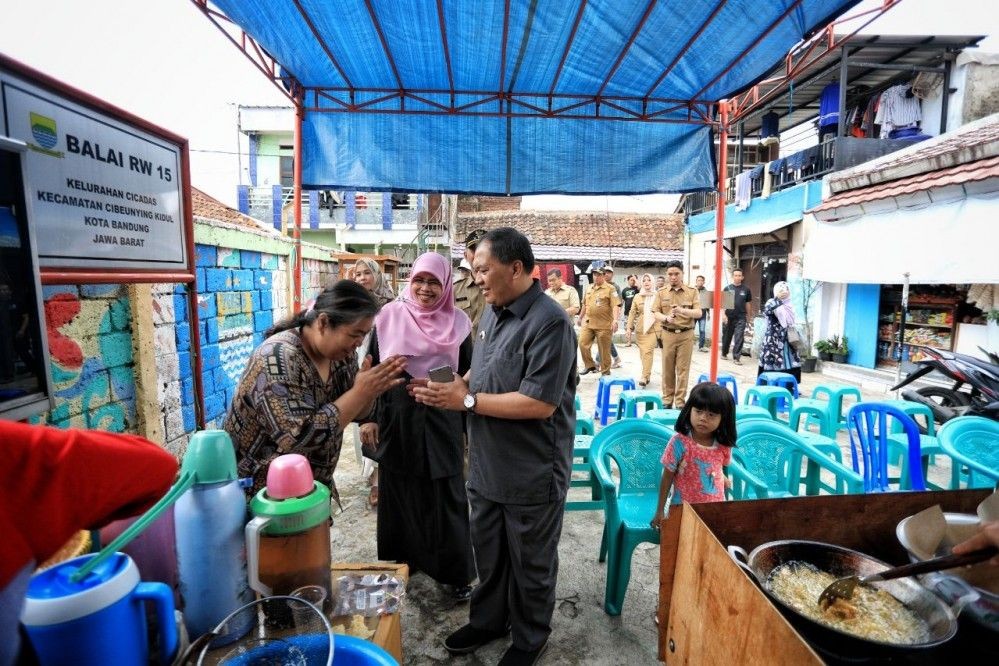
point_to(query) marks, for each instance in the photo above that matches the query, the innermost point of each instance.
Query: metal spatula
(843, 588)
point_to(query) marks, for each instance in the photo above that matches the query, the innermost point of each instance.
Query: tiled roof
(941, 185)
(210, 208)
(584, 229)
(972, 142)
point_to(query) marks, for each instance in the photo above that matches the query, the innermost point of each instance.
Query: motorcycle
(981, 377)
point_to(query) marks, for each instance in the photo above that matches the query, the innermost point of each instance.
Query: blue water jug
(99, 620)
(209, 520)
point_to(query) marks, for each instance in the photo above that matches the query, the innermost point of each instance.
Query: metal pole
(844, 74)
(901, 329)
(297, 202)
(719, 238)
(945, 100)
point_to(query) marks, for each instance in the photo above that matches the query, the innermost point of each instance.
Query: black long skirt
(425, 522)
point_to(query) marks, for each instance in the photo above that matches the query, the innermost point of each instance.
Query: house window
(287, 171)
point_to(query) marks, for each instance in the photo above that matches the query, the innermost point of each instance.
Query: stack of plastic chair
(628, 402)
(783, 379)
(771, 456)
(635, 446)
(585, 479)
(771, 398)
(972, 442)
(834, 395)
(606, 408)
(745, 412)
(666, 417)
(726, 380)
(871, 424)
(584, 422)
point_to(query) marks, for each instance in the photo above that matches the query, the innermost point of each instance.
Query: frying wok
(939, 618)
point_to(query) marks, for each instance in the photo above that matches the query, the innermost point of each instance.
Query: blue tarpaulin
(598, 96)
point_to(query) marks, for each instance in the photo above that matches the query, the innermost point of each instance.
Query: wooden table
(712, 612)
(387, 628)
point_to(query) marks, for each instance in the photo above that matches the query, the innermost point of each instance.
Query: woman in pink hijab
(422, 506)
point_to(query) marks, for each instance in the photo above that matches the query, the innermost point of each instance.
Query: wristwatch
(469, 402)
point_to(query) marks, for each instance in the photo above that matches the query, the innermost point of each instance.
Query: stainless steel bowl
(951, 588)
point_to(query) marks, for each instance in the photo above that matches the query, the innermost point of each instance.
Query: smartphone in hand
(442, 374)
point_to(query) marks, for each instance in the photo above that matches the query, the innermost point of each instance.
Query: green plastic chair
(628, 402)
(666, 417)
(635, 446)
(752, 412)
(585, 478)
(973, 443)
(771, 455)
(771, 398)
(835, 395)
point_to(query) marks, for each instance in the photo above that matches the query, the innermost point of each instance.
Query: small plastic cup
(303, 614)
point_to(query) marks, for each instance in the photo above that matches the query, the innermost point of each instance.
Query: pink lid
(289, 476)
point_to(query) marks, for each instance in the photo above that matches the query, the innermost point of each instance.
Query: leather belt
(678, 330)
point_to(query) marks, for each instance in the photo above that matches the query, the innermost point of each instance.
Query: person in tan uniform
(642, 322)
(467, 295)
(676, 307)
(563, 294)
(598, 320)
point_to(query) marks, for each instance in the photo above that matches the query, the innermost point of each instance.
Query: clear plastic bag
(369, 595)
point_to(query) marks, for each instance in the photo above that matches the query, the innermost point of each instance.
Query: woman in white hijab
(776, 354)
(642, 322)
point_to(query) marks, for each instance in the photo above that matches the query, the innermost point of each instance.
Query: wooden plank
(718, 615)
(147, 403)
(669, 537)
(388, 628)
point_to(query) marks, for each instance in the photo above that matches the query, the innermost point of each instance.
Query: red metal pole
(297, 233)
(716, 309)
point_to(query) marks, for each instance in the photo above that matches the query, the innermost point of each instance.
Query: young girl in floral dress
(702, 446)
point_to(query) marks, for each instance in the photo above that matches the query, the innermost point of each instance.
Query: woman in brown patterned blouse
(302, 385)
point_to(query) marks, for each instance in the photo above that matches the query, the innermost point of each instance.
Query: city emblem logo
(44, 132)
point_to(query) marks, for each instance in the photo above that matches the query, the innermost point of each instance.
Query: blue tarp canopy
(518, 96)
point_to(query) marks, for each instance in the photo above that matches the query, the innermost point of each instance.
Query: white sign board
(104, 194)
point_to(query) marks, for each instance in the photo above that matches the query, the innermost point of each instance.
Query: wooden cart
(712, 612)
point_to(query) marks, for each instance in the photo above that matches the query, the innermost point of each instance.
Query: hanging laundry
(743, 191)
(769, 129)
(829, 105)
(897, 108)
(768, 177)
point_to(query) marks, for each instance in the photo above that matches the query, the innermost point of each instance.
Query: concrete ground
(582, 632)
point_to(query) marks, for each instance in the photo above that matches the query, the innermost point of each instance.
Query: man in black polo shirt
(734, 320)
(519, 394)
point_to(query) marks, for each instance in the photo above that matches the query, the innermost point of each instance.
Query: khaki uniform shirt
(565, 296)
(636, 318)
(685, 297)
(468, 299)
(600, 303)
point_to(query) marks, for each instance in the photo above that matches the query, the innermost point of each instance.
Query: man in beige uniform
(563, 294)
(467, 295)
(598, 320)
(676, 307)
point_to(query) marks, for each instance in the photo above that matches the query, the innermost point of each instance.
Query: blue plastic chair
(771, 455)
(606, 407)
(784, 379)
(871, 425)
(636, 447)
(726, 380)
(973, 443)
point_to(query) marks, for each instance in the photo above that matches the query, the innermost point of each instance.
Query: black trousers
(733, 334)
(516, 554)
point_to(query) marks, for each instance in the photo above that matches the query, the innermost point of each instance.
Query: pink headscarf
(431, 336)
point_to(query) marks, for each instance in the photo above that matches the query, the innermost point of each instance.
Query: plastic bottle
(211, 553)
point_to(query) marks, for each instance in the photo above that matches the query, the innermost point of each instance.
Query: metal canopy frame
(718, 114)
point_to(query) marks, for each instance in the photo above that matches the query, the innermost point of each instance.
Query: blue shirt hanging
(829, 105)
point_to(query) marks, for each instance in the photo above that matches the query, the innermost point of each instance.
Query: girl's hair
(712, 398)
(343, 303)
